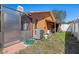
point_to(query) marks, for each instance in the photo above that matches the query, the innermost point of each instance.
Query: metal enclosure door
(11, 29)
(26, 25)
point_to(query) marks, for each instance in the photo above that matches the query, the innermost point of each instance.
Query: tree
(59, 15)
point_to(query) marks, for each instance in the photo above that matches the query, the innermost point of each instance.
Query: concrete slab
(14, 48)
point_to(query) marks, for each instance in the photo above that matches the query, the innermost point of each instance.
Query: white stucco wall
(64, 27)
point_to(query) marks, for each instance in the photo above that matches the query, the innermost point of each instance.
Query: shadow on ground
(71, 44)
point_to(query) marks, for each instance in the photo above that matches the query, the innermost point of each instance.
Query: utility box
(38, 34)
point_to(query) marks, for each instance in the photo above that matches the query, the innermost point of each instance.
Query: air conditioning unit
(38, 34)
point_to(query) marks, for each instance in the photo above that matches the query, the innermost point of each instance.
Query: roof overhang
(51, 13)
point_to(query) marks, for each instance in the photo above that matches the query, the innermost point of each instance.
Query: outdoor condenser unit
(9, 28)
(38, 34)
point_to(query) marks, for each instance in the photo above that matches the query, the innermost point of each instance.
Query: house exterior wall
(42, 17)
(64, 27)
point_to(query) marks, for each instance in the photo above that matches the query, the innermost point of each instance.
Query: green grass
(54, 44)
(60, 36)
(1, 51)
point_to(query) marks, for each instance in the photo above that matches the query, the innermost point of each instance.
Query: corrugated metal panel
(11, 28)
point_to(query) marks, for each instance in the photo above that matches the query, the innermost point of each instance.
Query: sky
(72, 10)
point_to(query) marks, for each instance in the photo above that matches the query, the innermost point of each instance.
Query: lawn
(54, 44)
